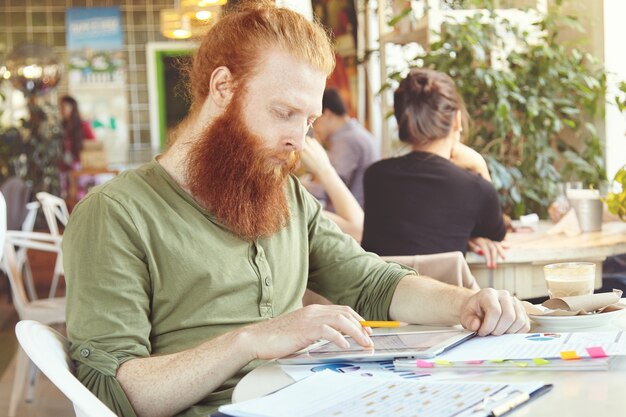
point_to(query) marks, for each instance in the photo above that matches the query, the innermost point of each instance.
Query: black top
(421, 203)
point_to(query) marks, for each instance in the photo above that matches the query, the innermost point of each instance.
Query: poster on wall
(340, 17)
(97, 75)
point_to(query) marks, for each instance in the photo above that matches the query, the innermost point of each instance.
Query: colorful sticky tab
(424, 364)
(497, 360)
(475, 362)
(442, 362)
(569, 355)
(596, 352)
(521, 364)
(540, 361)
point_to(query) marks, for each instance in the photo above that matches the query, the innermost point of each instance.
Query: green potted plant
(532, 110)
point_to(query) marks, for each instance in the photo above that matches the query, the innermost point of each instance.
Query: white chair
(22, 255)
(48, 349)
(55, 210)
(21, 215)
(50, 310)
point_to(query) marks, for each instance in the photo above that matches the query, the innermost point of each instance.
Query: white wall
(615, 61)
(603, 22)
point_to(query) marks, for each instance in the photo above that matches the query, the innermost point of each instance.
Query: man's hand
(494, 312)
(293, 331)
(314, 157)
(489, 249)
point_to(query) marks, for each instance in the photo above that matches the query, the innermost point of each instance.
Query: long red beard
(231, 174)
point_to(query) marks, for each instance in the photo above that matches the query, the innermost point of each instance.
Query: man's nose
(296, 138)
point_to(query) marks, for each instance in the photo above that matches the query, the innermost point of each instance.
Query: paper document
(331, 394)
(536, 345)
(537, 364)
(380, 369)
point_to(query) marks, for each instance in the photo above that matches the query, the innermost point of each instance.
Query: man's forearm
(423, 300)
(183, 378)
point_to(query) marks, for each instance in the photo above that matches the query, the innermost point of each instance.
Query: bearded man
(184, 273)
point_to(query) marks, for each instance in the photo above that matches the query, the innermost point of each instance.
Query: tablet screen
(423, 344)
(401, 342)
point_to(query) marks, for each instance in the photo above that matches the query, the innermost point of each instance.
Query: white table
(575, 393)
(522, 271)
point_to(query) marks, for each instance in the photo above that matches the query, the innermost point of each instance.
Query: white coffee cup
(569, 279)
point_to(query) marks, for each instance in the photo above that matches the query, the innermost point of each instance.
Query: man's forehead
(283, 77)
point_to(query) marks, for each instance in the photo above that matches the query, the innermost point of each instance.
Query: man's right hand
(293, 331)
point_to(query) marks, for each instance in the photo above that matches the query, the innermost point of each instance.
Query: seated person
(438, 198)
(185, 273)
(351, 147)
(348, 214)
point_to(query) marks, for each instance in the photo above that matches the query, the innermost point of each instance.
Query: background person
(75, 130)
(348, 214)
(351, 147)
(438, 198)
(184, 273)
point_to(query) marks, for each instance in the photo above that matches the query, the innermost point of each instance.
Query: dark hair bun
(425, 105)
(420, 84)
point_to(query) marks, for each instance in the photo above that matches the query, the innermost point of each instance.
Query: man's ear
(221, 88)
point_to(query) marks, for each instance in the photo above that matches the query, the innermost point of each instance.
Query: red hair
(238, 39)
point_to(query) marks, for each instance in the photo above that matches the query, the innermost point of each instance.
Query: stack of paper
(585, 351)
(539, 345)
(537, 364)
(331, 394)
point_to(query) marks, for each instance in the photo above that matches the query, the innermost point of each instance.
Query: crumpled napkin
(568, 225)
(578, 305)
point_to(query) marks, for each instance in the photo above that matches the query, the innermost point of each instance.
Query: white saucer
(564, 323)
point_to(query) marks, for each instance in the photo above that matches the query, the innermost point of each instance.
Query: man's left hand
(494, 312)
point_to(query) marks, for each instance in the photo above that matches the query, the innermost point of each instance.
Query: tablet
(387, 346)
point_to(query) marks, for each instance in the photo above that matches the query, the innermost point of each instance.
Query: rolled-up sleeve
(343, 272)
(108, 296)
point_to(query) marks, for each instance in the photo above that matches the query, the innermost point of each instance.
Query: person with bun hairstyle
(438, 198)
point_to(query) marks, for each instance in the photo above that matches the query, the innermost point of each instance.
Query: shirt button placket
(265, 306)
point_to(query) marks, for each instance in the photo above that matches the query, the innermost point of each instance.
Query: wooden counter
(522, 271)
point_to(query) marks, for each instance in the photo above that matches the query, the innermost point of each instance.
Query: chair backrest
(54, 208)
(448, 267)
(31, 215)
(13, 241)
(3, 221)
(48, 349)
(16, 193)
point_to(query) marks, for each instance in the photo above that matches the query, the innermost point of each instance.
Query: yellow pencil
(382, 323)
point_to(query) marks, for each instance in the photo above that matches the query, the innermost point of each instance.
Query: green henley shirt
(151, 272)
